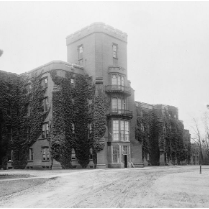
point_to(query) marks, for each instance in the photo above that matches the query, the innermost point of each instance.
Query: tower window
(80, 52)
(115, 51)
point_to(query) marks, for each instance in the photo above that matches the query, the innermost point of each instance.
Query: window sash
(114, 80)
(114, 50)
(44, 82)
(45, 153)
(31, 154)
(115, 154)
(45, 130)
(80, 52)
(120, 130)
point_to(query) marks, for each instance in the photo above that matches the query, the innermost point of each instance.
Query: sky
(168, 44)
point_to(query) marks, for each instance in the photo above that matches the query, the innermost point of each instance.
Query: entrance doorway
(125, 161)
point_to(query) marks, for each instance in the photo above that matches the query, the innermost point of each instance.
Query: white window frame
(45, 153)
(115, 51)
(45, 130)
(31, 154)
(118, 154)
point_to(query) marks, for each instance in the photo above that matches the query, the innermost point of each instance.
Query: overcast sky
(168, 44)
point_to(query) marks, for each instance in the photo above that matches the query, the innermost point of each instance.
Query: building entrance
(125, 161)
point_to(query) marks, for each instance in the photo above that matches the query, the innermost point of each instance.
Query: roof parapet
(96, 28)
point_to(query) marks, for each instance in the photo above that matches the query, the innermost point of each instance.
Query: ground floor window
(45, 153)
(30, 157)
(73, 157)
(115, 154)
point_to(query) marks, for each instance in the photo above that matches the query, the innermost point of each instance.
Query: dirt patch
(11, 187)
(111, 188)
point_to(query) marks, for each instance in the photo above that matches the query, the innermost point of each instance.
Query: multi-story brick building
(98, 53)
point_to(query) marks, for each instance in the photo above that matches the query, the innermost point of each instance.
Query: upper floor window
(120, 130)
(115, 51)
(80, 52)
(118, 104)
(118, 80)
(45, 130)
(44, 82)
(45, 104)
(45, 153)
(72, 81)
(28, 88)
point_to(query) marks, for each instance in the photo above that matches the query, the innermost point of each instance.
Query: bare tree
(1, 52)
(201, 138)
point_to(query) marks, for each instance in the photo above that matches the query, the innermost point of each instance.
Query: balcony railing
(119, 89)
(120, 113)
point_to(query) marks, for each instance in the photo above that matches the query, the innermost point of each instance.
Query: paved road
(180, 186)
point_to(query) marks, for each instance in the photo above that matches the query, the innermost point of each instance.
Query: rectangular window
(115, 154)
(122, 130)
(114, 80)
(118, 105)
(28, 88)
(126, 131)
(73, 156)
(45, 130)
(114, 104)
(45, 104)
(115, 51)
(73, 128)
(72, 81)
(115, 130)
(45, 153)
(125, 150)
(30, 157)
(44, 82)
(80, 52)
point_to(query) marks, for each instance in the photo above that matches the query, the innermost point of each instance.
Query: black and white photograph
(104, 104)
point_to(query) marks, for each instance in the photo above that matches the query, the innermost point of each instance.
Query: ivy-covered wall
(161, 133)
(19, 129)
(76, 108)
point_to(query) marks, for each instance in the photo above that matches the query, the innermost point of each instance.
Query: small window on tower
(115, 51)
(80, 52)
